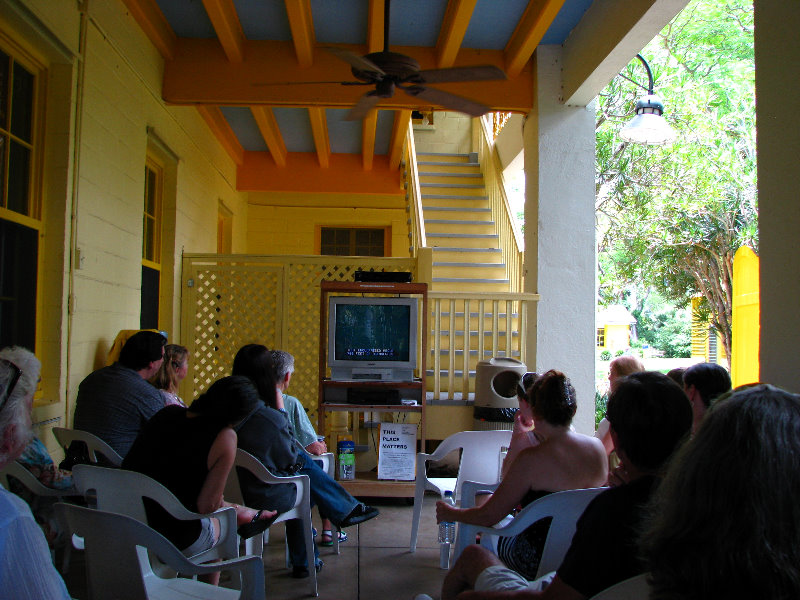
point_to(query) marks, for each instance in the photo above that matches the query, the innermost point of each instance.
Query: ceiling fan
(388, 71)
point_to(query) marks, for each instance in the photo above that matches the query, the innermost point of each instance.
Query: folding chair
(635, 588)
(94, 444)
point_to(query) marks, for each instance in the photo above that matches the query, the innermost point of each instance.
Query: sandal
(256, 525)
(327, 533)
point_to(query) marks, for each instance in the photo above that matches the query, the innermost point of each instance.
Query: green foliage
(600, 403)
(605, 355)
(672, 217)
(664, 326)
(619, 353)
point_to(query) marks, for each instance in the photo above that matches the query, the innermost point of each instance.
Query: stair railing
(416, 221)
(507, 228)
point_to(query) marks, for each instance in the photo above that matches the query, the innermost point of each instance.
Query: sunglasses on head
(15, 375)
(524, 384)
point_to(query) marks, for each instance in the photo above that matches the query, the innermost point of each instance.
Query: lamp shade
(648, 126)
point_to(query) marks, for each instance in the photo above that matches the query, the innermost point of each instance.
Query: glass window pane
(149, 239)
(22, 103)
(148, 318)
(3, 147)
(18, 265)
(4, 72)
(19, 164)
(150, 192)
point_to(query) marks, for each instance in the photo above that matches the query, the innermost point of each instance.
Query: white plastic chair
(480, 461)
(123, 492)
(17, 471)
(300, 510)
(117, 565)
(93, 443)
(635, 588)
(564, 507)
(327, 462)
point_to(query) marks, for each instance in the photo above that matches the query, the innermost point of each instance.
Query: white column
(777, 47)
(560, 233)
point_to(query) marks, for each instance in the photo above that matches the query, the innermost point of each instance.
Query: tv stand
(373, 394)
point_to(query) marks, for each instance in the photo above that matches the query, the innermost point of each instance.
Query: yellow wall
(746, 317)
(617, 337)
(288, 223)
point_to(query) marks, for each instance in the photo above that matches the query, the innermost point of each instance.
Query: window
(601, 337)
(20, 202)
(353, 241)
(151, 245)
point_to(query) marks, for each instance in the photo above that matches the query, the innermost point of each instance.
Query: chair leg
(312, 567)
(419, 495)
(335, 533)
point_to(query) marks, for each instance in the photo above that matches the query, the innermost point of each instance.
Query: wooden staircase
(466, 258)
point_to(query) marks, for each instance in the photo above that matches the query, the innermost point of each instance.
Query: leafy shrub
(605, 355)
(600, 402)
(619, 353)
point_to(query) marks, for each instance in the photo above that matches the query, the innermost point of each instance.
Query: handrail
(507, 228)
(414, 196)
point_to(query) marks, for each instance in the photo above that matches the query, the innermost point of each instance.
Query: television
(372, 338)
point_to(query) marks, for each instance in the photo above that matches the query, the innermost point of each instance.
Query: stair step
(450, 185)
(467, 280)
(447, 174)
(446, 155)
(458, 209)
(469, 265)
(457, 222)
(433, 163)
(450, 249)
(452, 197)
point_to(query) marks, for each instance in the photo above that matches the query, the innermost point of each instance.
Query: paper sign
(397, 451)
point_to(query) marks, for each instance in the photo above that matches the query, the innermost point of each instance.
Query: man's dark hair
(651, 417)
(255, 362)
(709, 379)
(141, 349)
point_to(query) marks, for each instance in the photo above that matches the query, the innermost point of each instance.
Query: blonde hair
(626, 365)
(166, 378)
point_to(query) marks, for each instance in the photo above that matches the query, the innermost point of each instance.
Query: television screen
(372, 332)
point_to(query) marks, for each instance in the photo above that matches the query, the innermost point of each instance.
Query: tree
(672, 217)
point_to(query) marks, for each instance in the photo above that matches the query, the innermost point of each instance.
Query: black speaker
(382, 277)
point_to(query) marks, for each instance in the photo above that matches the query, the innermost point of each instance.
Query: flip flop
(256, 526)
(329, 534)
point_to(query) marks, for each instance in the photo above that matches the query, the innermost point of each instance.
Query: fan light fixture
(649, 125)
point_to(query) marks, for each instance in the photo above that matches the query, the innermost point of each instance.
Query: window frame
(387, 237)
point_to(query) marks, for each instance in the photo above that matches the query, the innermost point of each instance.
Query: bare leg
(473, 560)
(212, 578)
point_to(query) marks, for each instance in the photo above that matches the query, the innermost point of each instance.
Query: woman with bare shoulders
(562, 460)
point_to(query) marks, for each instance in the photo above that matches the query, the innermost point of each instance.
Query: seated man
(266, 434)
(26, 571)
(115, 402)
(703, 382)
(650, 417)
(302, 429)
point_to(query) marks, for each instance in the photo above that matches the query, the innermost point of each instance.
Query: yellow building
(614, 328)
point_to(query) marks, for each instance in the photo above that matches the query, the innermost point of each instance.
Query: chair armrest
(470, 489)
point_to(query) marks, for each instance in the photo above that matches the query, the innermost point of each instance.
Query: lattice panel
(233, 306)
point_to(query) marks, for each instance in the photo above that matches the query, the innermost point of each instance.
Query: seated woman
(191, 451)
(733, 534)
(522, 433)
(618, 369)
(562, 460)
(171, 372)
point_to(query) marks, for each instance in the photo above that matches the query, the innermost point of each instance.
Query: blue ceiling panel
(492, 23)
(295, 128)
(245, 127)
(187, 19)
(567, 18)
(340, 22)
(383, 132)
(345, 136)
(263, 20)
(416, 22)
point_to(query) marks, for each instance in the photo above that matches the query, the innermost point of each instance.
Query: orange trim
(268, 126)
(258, 173)
(302, 26)
(399, 130)
(222, 14)
(375, 26)
(529, 32)
(154, 24)
(319, 128)
(454, 26)
(266, 63)
(214, 118)
(368, 126)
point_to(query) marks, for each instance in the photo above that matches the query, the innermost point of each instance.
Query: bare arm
(520, 439)
(557, 590)
(316, 448)
(220, 461)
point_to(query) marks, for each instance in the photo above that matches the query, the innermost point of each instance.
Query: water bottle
(447, 534)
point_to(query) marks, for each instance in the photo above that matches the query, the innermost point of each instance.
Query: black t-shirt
(173, 450)
(604, 551)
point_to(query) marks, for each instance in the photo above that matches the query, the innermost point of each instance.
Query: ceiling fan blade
(363, 106)
(354, 60)
(448, 100)
(475, 73)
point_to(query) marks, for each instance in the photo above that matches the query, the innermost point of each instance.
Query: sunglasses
(524, 384)
(16, 373)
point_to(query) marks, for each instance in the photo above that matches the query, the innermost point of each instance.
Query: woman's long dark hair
(725, 522)
(229, 400)
(552, 398)
(254, 361)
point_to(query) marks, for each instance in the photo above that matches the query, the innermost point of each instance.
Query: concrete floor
(373, 563)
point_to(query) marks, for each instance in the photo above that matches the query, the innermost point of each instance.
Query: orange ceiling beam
(368, 127)
(319, 129)
(268, 126)
(223, 17)
(375, 26)
(154, 24)
(529, 32)
(402, 118)
(258, 173)
(302, 26)
(214, 118)
(201, 74)
(454, 26)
